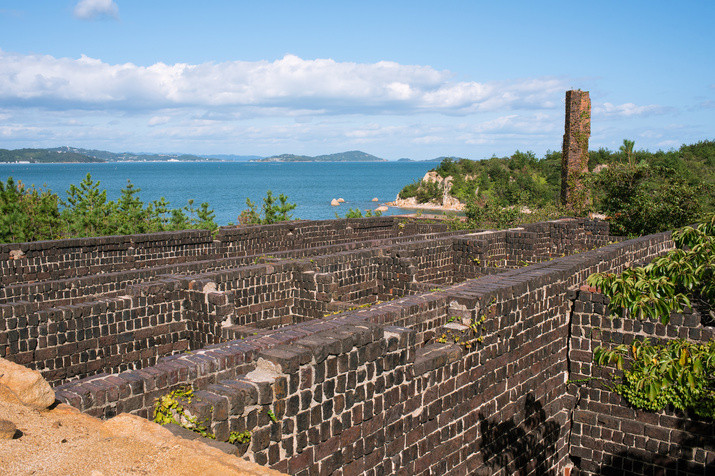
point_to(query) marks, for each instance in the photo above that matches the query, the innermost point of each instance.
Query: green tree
(627, 150)
(129, 215)
(641, 199)
(274, 209)
(27, 214)
(86, 211)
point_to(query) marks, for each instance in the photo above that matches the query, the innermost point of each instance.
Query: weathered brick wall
(610, 437)
(351, 391)
(108, 335)
(58, 259)
(308, 234)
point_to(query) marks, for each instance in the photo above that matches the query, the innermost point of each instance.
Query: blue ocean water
(226, 185)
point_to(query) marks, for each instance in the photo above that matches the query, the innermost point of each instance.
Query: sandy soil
(63, 441)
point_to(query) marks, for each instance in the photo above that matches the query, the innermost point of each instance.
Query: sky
(417, 79)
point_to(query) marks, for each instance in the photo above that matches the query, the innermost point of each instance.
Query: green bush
(274, 209)
(31, 215)
(643, 198)
(679, 373)
(668, 283)
(357, 213)
(430, 192)
(27, 214)
(410, 190)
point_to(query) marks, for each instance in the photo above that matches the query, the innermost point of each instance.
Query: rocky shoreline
(412, 204)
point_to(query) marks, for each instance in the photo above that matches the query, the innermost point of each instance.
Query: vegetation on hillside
(639, 191)
(29, 214)
(76, 154)
(45, 156)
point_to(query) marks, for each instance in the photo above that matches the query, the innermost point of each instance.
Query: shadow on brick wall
(520, 449)
(676, 461)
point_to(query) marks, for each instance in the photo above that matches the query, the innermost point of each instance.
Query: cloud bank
(96, 9)
(319, 86)
(290, 104)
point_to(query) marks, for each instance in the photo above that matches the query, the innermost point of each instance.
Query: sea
(226, 185)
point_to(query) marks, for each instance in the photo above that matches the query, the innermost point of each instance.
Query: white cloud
(628, 110)
(95, 9)
(289, 85)
(158, 120)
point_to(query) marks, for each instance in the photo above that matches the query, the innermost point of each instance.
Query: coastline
(411, 204)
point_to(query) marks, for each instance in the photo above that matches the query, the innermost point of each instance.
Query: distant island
(350, 156)
(77, 155)
(67, 154)
(44, 156)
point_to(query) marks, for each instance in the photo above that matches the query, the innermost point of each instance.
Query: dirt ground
(63, 441)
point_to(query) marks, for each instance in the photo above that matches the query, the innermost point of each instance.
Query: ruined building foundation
(350, 347)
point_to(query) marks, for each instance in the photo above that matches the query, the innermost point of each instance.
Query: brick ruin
(574, 157)
(333, 342)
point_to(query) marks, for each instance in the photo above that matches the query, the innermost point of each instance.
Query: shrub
(357, 213)
(668, 283)
(679, 373)
(274, 209)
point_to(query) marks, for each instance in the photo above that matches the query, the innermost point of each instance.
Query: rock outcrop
(27, 385)
(448, 203)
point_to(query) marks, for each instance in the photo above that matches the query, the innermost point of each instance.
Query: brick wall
(111, 334)
(610, 437)
(58, 259)
(372, 391)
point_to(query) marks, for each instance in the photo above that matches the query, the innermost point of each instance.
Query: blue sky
(396, 79)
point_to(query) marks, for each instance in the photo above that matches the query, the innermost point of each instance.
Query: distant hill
(350, 156)
(233, 158)
(44, 156)
(107, 156)
(76, 154)
(405, 159)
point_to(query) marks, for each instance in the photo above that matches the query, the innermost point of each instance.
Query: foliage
(472, 333)
(680, 373)
(31, 215)
(668, 283)
(488, 214)
(409, 190)
(274, 210)
(239, 437)
(169, 408)
(430, 192)
(641, 192)
(517, 180)
(86, 210)
(645, 198)
(27, 214)
(627, 150)
(357, 213)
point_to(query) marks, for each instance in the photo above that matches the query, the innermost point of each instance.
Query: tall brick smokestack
(574, 160)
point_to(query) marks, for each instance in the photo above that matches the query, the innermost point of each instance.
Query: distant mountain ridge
(349, 156)
(45, 156)
(67, 154)
(107, 156)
